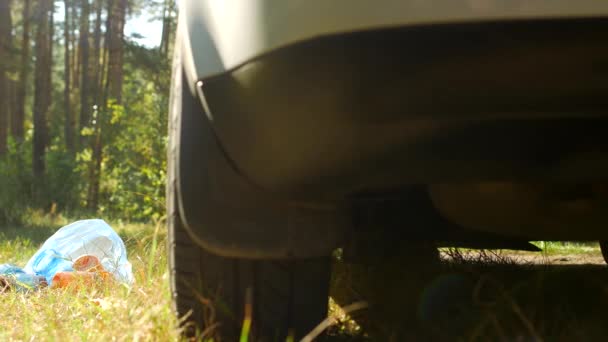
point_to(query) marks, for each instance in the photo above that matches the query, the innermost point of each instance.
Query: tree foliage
(95, 145)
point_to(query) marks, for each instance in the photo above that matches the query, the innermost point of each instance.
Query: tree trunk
(115, 62)
(85, 108)
(75, 48)
(12, 104)
(49, 73)
(42, 87)
(165, 36)
(5, 58)
(115, 39)
(97, 69)
(69, 117)
(18, 119)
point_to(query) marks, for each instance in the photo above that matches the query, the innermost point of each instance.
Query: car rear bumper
(448, 103)
(222, 35)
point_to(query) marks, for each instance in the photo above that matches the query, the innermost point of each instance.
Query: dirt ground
(588, 256)
(557, 259)
(483, 295)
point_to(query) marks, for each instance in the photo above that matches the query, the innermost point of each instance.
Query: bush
(15, 183)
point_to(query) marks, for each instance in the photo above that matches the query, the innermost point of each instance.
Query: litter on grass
(84, 252)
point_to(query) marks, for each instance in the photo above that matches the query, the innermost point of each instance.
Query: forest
(83, 109)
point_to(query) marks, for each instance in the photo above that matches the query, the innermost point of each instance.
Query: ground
(556, 295)
(569, 253)
(102, 313)
(557, 259)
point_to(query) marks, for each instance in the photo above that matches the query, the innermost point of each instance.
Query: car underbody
(384, 129)
(501, 127)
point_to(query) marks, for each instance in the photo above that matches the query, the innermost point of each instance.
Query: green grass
(553, 247)
(141, 312)
(561, 247)
(559, 302)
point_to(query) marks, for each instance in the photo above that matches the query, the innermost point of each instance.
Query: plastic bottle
(88, 271)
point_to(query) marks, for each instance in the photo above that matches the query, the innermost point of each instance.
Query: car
(300, 127)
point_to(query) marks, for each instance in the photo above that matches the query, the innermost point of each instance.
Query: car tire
(283, 297)
(217, 297)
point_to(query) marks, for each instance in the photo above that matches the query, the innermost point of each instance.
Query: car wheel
(223, 297)
(220, 295)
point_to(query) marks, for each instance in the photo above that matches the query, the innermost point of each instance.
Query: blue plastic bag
(13, 276)
(86, 237)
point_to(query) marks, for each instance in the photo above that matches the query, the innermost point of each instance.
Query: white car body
(223, 34)
(321, 100)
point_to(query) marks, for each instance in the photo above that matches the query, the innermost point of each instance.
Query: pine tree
(42, 92)
(5, 58)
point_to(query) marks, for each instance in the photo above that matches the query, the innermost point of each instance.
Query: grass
(472, 297)
(560, 247)
(114, 313)
(117, 313)
(481, 296)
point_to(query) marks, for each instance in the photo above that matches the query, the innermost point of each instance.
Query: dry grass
(470, 296)
(480, 296)
(115, 313)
